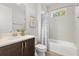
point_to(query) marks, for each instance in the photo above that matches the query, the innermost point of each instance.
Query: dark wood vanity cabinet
(24, 48)
(29, 48)
(11, 50)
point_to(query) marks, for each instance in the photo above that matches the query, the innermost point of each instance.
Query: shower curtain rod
(61, 8)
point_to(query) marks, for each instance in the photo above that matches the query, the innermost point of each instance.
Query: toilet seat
(40, 46)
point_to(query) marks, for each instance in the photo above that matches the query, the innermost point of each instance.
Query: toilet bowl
(40, 49)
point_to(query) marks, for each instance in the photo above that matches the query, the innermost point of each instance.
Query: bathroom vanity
(17, 46)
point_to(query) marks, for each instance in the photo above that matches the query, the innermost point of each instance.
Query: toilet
(40, 49)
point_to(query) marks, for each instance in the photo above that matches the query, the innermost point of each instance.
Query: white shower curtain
(44, 29)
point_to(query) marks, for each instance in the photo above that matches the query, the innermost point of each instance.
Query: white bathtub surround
(63, 47)
(62, 27)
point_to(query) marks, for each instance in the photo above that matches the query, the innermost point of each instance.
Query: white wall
(77, 23)
(77, 26)
(5, 19)
(31, 10)
(62, 28)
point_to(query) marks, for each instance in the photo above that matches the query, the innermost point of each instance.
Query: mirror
(12, 17)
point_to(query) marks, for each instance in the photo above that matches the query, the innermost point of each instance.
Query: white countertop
(14, 39)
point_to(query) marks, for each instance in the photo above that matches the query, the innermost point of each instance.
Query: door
(11, 50)
(29, 47)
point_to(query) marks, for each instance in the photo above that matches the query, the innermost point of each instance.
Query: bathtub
(64, 48)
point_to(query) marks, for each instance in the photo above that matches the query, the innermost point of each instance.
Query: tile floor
(49, 53)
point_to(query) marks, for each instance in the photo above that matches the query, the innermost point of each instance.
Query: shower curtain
(44, 29)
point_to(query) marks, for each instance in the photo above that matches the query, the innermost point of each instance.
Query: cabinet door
(29, 47)
(11, 50)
